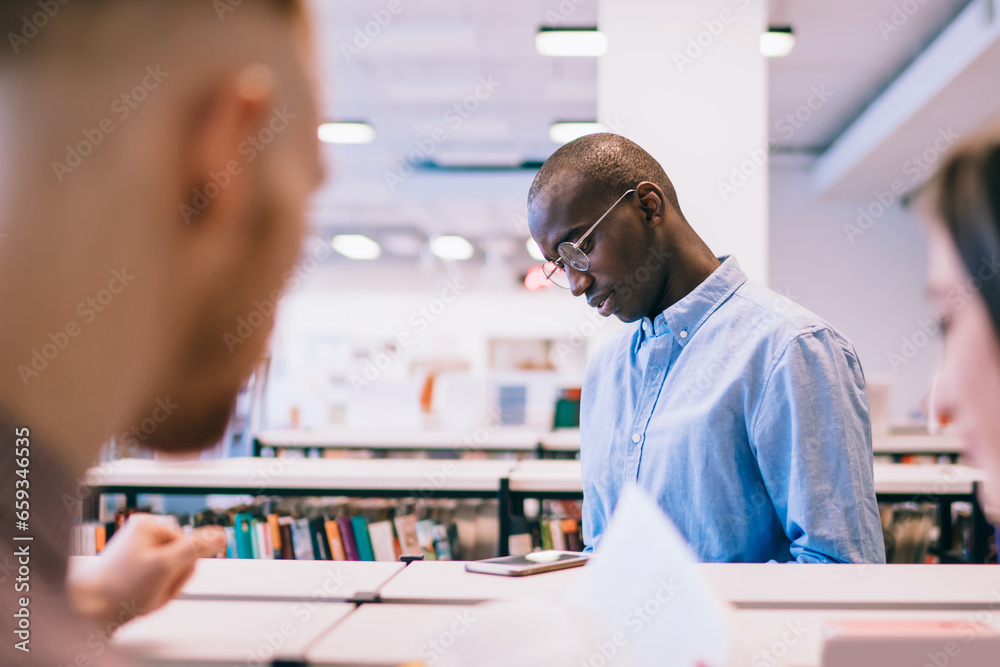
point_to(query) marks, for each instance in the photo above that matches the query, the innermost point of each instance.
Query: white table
(787, 638)
(746, 585)
(280, 580)
(199, 632)
(389, 635)
(541, 476)
(269, 475)
(447, 582)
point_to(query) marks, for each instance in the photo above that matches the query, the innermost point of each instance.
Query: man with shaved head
(744, 414)
(155, 158)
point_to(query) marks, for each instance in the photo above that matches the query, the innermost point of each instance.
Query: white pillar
(687, 82)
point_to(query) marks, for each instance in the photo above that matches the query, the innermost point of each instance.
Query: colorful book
(347, 538)
(244, 536)
(303, 540)
(556, 533)
(383, 546)
(333, 538)
(425, 536)
(287, 540)
(275, 530)
(361, 538)
(406, 528)
(320, 545)
(230, 541)
(441, 545)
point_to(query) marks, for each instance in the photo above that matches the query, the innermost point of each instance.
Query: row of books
(337, 529)
(555, 524)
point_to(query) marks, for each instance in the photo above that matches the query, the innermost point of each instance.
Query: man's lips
(604, 303)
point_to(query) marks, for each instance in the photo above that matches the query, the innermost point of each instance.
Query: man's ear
(653, 203)
(216, 157)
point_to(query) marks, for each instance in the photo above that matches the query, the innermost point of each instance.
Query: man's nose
(579, 281)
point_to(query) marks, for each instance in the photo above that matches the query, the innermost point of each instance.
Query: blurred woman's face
(969, 386)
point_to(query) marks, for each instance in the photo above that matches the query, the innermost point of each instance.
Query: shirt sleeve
(811, 435)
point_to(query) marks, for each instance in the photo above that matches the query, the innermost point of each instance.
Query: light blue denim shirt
(746, 416)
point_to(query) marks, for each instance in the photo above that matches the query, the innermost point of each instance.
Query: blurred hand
(143, 566)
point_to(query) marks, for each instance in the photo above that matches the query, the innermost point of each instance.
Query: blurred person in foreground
(741, 412)
(154, 162)
(963, 205)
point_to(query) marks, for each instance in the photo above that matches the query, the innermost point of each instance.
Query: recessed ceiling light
(563, 133)
(356, 246)
(451, 247)
(346, 133)
(571, 42)
(535, 251)
(777, 41)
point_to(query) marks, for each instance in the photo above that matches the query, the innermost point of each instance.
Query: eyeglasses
(570, 254)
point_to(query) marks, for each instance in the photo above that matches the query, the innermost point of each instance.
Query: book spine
(362, 538)
(347, 537)
(333, 537)
(275, 530)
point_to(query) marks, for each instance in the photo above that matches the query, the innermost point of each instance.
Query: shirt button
(636, 437)
(645, 326)
(684, 334)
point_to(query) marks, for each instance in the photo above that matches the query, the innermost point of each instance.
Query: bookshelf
(510, 482)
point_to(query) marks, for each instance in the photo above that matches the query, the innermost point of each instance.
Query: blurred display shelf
(504, 439)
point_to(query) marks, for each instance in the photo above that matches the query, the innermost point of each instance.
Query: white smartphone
(533, 563)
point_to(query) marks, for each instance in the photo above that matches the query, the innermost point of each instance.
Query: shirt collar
(684, 318)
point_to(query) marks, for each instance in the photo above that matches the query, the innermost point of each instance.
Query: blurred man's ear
(216, 160)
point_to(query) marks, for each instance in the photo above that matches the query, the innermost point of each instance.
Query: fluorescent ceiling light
(356, 246)
(451, 247)
(777, 41)
(535, 251)
(346, 133)
(571, 42)
(563, 133)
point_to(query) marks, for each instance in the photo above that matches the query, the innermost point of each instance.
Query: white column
(687, 82)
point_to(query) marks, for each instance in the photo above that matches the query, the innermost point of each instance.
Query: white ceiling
(433, 55)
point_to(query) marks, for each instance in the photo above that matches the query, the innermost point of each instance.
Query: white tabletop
(448, 582)
(568, 440)
(549, 475)
(388, 634)
(199, 632)
(419, 476)
(794, 638)
(288, 580)
(788, 638)
(503, 439)
(747, 585)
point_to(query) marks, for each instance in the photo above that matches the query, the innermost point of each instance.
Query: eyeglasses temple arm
(594, 226)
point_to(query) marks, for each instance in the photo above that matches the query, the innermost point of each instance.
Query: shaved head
(608, 163)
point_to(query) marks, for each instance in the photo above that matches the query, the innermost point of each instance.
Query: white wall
(687, 82)
(869, 285)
